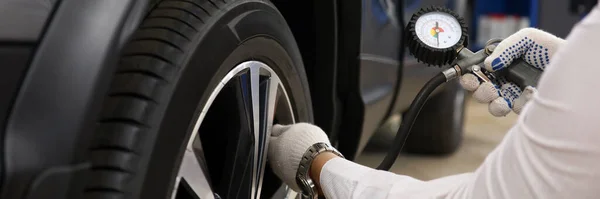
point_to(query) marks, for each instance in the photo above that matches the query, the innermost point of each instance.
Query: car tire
(180, 56)
(438, 129)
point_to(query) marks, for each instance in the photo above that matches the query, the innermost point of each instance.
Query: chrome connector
(452, 73)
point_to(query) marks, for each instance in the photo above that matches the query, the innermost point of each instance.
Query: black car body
(59, 59)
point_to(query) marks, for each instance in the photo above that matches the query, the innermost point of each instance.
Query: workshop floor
(482, 133)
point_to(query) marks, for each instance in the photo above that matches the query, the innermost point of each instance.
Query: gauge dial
(435, 34)
(438, 29)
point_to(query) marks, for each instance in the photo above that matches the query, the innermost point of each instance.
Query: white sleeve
(552, 152)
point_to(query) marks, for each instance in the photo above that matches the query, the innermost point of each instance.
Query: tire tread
(147, 65)
(148, 62)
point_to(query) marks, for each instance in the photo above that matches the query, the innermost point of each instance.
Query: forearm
(552, 151)
(317, 166)
(338, 178)
(343, 179)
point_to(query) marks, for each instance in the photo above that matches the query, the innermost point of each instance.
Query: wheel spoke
(268, 95)
(284, 192)
(237, 178)
(236, 155)
(255, 88)
(192, 176)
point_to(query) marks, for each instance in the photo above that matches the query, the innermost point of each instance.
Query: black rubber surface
(438, 129)
(409, 119)
(182, 49)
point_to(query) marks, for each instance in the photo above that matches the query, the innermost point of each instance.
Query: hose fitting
(452, 73)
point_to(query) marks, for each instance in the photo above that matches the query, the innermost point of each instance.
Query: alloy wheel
(226, 154)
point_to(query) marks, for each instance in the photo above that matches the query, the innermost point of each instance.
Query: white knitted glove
(535, 47)
(287, 146)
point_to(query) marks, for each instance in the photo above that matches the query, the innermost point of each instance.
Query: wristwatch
(309, 190)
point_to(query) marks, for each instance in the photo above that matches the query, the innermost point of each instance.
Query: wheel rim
(238, 170)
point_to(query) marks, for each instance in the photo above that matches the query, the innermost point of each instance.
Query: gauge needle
(437, 33)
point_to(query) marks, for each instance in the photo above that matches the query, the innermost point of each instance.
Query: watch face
(438, 30)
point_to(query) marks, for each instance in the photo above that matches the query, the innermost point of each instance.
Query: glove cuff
(291, 146)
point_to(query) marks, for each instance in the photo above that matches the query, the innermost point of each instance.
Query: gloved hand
(535, 47)
(288, 144)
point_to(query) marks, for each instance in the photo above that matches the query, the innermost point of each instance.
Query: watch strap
(309, 189)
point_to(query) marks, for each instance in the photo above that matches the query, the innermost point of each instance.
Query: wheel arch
(58, 128)
(314, 25)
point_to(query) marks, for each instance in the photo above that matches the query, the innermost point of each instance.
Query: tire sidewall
(438, 129)
(246, 30)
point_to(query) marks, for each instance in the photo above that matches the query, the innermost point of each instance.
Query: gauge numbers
(438, 30)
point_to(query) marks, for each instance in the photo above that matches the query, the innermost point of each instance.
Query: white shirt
(553, 150)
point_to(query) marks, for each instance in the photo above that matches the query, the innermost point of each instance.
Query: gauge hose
(409, 119)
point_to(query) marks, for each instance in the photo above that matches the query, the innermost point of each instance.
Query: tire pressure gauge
(435, 35)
